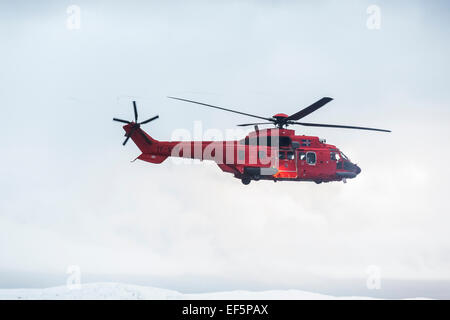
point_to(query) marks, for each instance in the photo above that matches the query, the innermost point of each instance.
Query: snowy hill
(119, 291)
(125, 291)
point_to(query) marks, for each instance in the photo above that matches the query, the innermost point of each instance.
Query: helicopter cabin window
(283, 155)
(311, 158)
(302, 156)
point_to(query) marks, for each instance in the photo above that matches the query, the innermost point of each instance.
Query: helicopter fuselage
(269, 154)
(276, 154)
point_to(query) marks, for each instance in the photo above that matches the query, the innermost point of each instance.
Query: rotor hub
(280, 116)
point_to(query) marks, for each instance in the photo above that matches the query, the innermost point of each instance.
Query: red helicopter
(275, 154)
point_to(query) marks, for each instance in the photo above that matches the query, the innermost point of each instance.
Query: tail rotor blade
(135, 112)
(126, 140)
(148, 120)
(134, 125)
(129, 135)
(120, 120)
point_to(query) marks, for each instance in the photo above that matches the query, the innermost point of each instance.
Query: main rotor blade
(304, 112)
(336, 126)
(229, 110)
(135, 111)
(120, 120)
(253, 124)
(148, 120)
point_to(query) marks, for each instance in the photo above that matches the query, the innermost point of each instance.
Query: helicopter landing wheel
(318, 181)
(246, 180)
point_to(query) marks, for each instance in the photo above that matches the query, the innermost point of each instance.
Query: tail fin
(147, 145)
(142, 140)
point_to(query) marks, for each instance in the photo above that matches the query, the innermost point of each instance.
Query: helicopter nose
(357, 169)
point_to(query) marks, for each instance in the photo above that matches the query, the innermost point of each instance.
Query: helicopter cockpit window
(302, 155)
(311, 158)
(335, 156)
(281, 155)
(290, 155)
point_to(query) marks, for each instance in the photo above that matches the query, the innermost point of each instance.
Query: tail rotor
(134, 124)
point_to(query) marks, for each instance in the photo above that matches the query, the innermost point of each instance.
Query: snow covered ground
(124, 291)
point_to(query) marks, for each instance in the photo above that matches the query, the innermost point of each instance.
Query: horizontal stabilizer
(153, 158)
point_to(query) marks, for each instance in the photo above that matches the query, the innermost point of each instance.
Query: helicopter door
(287, 164)
(306, 164)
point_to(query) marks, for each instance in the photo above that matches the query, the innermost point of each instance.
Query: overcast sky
(70, 195)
